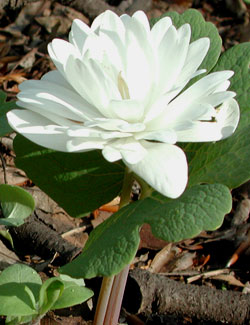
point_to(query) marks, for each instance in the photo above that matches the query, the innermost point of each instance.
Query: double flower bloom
(119, 87)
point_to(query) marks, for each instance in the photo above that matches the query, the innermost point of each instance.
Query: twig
(165, 296)
(4, 168)
(73, 231)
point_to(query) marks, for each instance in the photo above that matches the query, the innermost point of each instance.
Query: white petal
(167, 136)
(158, 107)
(108, 21)
(56, 77)
(218, 98)
(164, 168)
(94, 85)
(172, 54)
(159, 30)
(84, 132)
(93, 48)
(188, 104)
(111, 154)
(140, 62)
(78, 34)
(60, 51)
(128, 110)
(54, 98)
(141, 17)
(83, 145)
(114, 58)
(129, 150)
(33, 106)
(203, 87)
(115, 125)
(170, 118)
(196, 53)
(38, 129)
(226, 121)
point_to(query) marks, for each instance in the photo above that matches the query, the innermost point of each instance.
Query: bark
(149, 293)
(35, 237)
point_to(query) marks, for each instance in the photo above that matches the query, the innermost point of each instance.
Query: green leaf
(78, 182)
(5, 234)
(4, 108)
(113, 244)
(225, 162)
(12, 320)
(238, 59)
(18, 295)
(19, 290)
(50, 291)
(16, 204)
(74, 292)
(200, 28)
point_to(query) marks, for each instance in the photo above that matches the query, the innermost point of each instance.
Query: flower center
(122, 86)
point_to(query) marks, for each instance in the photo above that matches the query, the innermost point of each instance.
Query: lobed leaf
(113, 244)
(227, 161)
(78, 182)
(238, 59)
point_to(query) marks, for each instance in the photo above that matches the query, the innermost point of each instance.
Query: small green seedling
(16, 205)
(24, 298)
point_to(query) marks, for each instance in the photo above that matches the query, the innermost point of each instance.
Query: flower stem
(103, 300)
(112, 289)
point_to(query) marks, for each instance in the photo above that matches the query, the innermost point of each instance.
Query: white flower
(118, 87)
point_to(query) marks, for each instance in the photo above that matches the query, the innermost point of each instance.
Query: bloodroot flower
(118, 87)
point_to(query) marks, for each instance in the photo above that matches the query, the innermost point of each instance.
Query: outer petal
(38, 129)
(202, 88)
(130, 150)
(164, 168)
(42, 95)
(35, 127)
(190, 104)
(226, 121)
